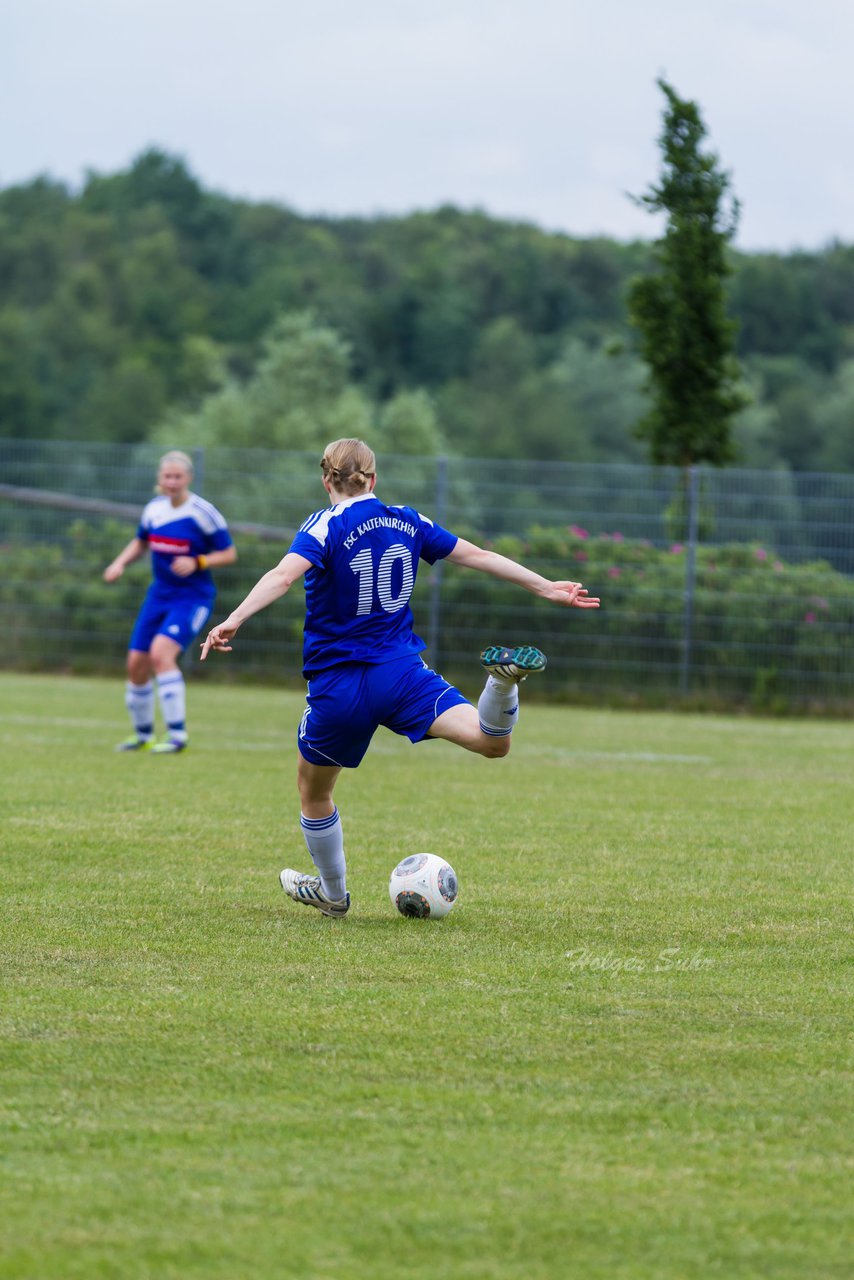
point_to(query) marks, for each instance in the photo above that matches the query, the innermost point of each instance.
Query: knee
(315, 803)
(162, 659)
(495, 748)
(138, 667)
(310, 792)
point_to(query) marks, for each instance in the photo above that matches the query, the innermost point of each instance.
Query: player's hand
(183, 566)
(113, 572)
(572, 595)
(218, 638)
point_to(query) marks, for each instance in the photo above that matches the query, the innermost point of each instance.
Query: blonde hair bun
(349, 465)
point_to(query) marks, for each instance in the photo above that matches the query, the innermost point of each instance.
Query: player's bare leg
(316, 783)
(139, 667)
(461, 725)
(487, 730)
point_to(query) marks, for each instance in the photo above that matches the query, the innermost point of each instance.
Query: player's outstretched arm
(274, 584)
(568, 594)
(134, 549)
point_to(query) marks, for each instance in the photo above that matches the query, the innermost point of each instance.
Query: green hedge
(764, 632)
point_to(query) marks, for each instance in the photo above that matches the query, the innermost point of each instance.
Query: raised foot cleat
(175, 742)
(136, 743)
(307, 890)
(513, 664)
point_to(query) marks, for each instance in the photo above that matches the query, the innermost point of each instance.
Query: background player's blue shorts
(348, 703)
(179, 620)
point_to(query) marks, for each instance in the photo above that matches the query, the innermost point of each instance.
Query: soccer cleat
(136, 743)
(307, 890)
(175, 742)
(513, 664)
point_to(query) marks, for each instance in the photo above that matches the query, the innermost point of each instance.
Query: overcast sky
(542, 110)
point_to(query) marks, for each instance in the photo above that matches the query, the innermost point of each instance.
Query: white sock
(498, 706)
(173, 700)
(325, 840)
(139, 700)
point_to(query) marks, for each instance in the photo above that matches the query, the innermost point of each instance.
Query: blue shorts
(347, 704)
(178, 620)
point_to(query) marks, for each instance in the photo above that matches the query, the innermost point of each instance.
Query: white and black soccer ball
(423, 885)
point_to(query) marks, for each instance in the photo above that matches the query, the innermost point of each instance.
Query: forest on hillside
(143, 307)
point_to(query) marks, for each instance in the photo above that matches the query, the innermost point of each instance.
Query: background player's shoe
(513, 664)
(175, 742)
(136, 743)
(307, 890)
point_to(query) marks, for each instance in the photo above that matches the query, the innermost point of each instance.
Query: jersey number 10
(363, 565)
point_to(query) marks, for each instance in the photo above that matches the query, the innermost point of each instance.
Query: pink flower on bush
(579, 555)
(809, 617)
(578, 531)
(778, 566)
(613, 572)
(761, 553)
(618, 537)
(676, 548)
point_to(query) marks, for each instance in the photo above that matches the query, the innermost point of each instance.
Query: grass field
(624, 1054)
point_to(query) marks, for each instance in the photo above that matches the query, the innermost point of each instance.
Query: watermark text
(668, 960)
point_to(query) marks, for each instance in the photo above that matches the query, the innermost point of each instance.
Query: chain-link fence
(723, 586)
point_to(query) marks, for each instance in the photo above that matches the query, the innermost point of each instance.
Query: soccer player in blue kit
(362, 659)
(187, 537)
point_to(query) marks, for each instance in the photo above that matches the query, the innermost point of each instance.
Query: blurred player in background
(361, 656)
(187, 537)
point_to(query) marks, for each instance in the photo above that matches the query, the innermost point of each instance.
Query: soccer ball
(423, 885)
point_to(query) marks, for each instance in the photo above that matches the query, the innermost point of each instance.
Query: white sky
(543, 110)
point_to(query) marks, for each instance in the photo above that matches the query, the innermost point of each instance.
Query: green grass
(200, 1079)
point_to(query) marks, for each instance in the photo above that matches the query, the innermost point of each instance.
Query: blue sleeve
(436, 542)
(219, 540)
(308, 547)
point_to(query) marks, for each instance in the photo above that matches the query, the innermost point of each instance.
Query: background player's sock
(139, 700)
(173, 699)
(325, 840)
(498, 706)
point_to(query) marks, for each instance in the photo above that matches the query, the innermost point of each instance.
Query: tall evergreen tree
(686, 337)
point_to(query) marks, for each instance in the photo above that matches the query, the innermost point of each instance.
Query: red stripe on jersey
(169, 546)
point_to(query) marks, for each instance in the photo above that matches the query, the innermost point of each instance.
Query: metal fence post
(435, 616)
(692, 493)
(190, 653)
(199, 466)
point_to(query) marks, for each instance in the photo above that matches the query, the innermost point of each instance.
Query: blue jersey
(364, 557)
(193, 529)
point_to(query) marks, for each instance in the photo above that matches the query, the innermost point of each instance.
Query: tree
(686, 337)
(408, 424)
(299, 396)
